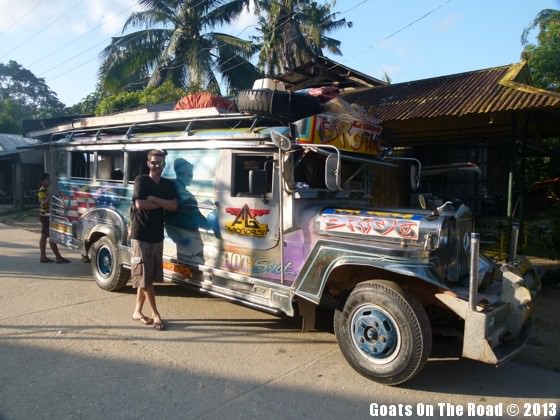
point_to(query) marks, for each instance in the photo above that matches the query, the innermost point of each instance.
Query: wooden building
(493, 118)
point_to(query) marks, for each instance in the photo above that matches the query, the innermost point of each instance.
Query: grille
(464, 228)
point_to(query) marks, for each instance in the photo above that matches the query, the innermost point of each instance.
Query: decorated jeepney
(275, 211)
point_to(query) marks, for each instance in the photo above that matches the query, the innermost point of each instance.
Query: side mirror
(258, 182)
(332, 172)
(280, 141)
(422, 201)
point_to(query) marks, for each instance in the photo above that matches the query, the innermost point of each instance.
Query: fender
(327, 256)
(106, 221)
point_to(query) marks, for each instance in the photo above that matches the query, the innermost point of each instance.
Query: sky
(60, 40)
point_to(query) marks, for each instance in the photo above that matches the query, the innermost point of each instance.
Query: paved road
(70, 350)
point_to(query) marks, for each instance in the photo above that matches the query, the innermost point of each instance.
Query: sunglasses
(157, 163)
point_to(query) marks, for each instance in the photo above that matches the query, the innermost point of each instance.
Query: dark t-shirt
(147, 225)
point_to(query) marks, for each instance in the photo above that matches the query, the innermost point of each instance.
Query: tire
(383, 332)
(281, 105)
(106, 267)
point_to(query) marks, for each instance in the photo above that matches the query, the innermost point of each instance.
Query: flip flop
(46, 260)
(144, 320)
(160, 326)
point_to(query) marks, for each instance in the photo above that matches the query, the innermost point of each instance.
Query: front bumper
(499, 327)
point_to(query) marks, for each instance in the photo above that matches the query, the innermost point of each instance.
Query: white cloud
(448, 22)
(110, 14)
(19, 17)
(243, 25)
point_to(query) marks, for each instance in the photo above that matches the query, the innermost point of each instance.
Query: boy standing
(43, 197)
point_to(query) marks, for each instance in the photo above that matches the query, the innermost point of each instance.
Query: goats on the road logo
(246, 222)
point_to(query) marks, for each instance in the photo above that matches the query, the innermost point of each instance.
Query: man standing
(43, 197)
(152, 195)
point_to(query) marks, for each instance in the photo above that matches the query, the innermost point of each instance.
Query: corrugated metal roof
(10, 143)
(481, 91)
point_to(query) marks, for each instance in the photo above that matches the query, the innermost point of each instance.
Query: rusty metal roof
(490, 90)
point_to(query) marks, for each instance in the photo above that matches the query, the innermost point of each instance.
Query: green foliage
(24, 96)
(11, 116)
(544, 57)
(130, 100)
(87, 105)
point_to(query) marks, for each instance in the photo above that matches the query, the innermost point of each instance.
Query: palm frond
(224, 14)
(237, 71)
(146, 19)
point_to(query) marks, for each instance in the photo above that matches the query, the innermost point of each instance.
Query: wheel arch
(343, 278)
(332, 284)
(116, 230)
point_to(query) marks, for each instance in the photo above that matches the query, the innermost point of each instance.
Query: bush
(130, 100)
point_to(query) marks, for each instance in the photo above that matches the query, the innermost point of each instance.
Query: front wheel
(383, 332)
(107, 270)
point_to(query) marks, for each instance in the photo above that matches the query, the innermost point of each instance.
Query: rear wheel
(383, 332)
(106, 267)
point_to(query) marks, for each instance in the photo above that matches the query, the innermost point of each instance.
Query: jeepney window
(61, 164)
(110, 164)
(82, 164)
(309, 169)
(137, 164)
(309, 172)
(242, 165)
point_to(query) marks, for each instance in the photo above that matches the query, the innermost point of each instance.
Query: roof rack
(128, 121)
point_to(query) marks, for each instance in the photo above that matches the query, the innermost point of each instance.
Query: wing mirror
(332, 172)
(281, 141)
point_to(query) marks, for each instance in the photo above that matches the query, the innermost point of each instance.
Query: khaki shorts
(146, 263)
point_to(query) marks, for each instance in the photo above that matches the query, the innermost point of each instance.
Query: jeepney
(275, 212)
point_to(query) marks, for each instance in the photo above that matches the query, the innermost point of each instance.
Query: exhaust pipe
(514, 239)
(473, 278)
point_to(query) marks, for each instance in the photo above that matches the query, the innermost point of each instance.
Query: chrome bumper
(496, 331)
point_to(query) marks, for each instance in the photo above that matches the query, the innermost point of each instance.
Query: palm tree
(294, 31)
(174, 42)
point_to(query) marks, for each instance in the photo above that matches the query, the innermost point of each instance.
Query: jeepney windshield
(308, 174)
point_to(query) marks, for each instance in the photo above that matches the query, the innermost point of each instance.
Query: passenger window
(243, 165)
(137, 164)
(82, 164)
(109, 165)
(61, 164)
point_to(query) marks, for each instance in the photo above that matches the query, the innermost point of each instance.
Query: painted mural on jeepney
(246, 221)
(80, 197)
(258, 263)
(192, 230)
(370, 223)
(349, 134)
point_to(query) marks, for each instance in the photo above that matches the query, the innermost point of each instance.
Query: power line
(42, 30)
(398, 31)
(78, 38)
(413, 22)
